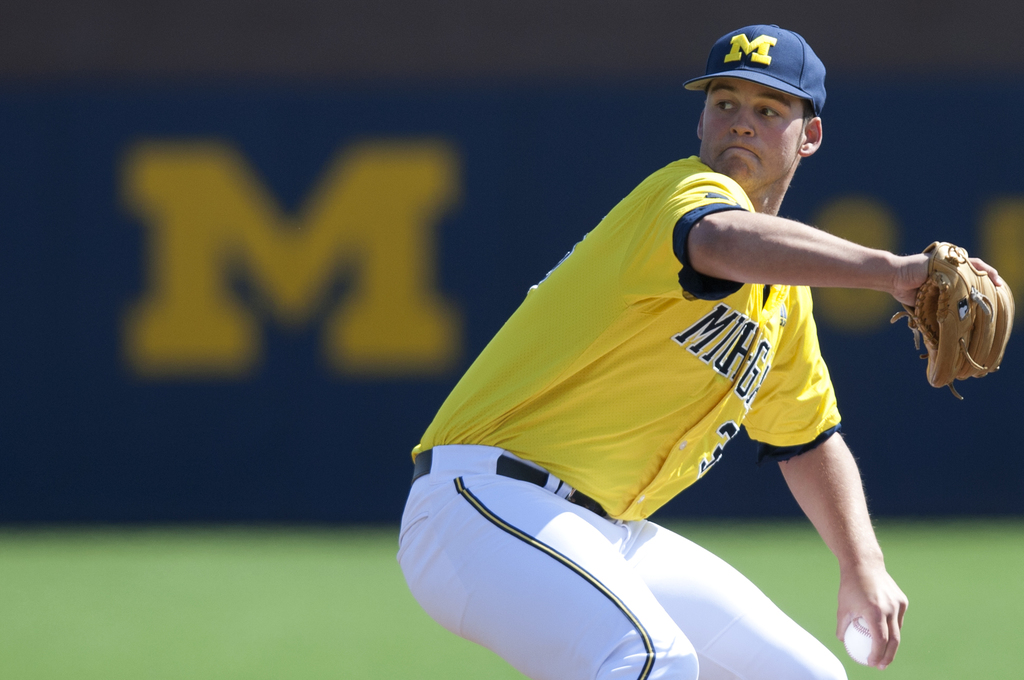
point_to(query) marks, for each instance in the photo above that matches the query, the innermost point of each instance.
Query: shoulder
(690, 175)
(685, 184)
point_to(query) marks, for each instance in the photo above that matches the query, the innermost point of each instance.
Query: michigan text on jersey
(733, 334)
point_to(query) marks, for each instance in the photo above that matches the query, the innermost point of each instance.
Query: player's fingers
(895, 631)
(986, 267)
(893, 643)
(911, 274)
(879, 638)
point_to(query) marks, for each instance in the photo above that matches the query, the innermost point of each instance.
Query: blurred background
(247, 248)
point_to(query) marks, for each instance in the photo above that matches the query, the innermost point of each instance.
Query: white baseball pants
(562, 594)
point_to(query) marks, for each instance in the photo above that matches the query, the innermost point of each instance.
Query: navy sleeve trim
(697, 286)
(780, 453)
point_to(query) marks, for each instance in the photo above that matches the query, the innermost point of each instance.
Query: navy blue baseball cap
(769, 55)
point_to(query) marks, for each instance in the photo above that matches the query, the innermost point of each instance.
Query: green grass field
(229, 603)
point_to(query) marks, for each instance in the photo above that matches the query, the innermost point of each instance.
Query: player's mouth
(742, 149)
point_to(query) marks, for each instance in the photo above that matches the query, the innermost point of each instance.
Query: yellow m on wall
(371, 219)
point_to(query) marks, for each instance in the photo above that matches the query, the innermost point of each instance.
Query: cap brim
(701, 83)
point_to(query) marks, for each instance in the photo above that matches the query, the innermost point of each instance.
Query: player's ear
(812, 137)
(700, 126)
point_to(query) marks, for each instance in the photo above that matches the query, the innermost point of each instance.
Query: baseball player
(682, 317)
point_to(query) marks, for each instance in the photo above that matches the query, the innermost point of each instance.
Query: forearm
(827, 485)
(756, 248)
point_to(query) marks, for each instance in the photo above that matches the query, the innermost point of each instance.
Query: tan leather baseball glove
(964, 318)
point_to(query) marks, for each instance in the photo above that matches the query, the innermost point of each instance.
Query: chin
(734, 169)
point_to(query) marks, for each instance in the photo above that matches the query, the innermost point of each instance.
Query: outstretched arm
(826, 483)
(755, 248)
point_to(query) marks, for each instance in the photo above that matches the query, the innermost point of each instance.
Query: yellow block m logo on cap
(757, 49)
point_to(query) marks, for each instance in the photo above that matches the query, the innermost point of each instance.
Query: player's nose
(742, 128)
(742, 124)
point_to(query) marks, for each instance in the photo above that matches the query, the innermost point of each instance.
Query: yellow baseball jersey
(627, 387)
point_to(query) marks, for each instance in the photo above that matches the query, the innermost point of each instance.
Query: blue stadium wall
(245, 303)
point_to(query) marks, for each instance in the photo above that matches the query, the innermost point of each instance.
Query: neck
(767, 199)
(766, 205)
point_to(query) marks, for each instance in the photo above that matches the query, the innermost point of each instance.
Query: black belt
(510, 467)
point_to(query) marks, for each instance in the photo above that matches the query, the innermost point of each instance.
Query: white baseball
(858, 641)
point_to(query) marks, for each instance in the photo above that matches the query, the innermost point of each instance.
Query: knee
(672, 659)
(678, 663)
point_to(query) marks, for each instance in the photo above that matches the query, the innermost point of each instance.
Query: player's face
(756, 135)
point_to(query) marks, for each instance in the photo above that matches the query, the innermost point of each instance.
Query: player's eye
(769, 112)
